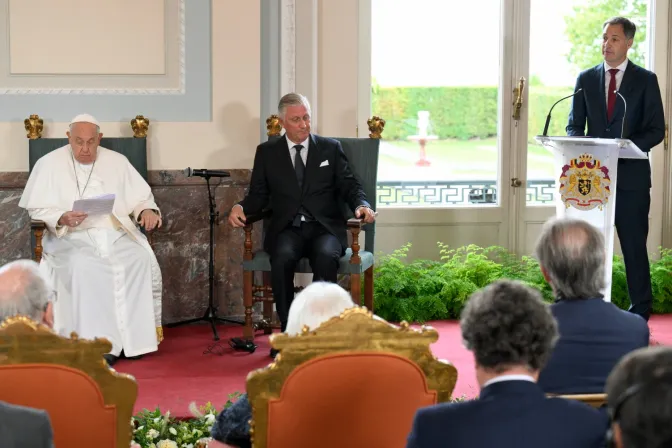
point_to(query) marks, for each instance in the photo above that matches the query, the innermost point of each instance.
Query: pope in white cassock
(103, 269)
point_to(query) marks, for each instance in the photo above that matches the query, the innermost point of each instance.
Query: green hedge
(425, 290)
(462, 112)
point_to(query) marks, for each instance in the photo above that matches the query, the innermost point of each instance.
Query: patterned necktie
(299, 167)
(611, 97)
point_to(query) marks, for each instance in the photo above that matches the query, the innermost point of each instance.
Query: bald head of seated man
(24, 291)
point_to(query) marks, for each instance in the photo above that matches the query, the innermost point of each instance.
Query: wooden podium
(587, 170)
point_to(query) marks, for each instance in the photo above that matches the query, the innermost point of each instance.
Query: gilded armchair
(67, 377)
(354, 371)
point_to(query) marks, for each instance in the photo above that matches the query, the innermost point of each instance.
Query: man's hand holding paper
(98, 205)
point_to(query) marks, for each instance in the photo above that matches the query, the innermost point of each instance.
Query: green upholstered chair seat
(262, 262)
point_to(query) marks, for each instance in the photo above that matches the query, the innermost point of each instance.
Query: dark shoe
(274, 352)
(123, 355)
(110, 359)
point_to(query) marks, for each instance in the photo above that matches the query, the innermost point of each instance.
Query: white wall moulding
(183, 92)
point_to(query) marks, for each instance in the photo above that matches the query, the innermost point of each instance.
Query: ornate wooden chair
(134, 148)
(594, 400)
(362, 154)
(355, 381)
(88, 403)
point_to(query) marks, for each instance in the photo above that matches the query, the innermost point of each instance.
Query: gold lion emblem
(585, 183)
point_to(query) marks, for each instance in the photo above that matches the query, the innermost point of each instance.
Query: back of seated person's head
(639, 398)
(25, 291)
(316, 304)
(509, 329)
(571, 254)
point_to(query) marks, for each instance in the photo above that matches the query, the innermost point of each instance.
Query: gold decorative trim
(34, 125)
(273, 126)
(336, 335)
(23, 341)
(140, 126)
(376, 126)
(159, 334)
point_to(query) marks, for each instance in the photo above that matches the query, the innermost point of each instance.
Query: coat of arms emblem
(585, 183)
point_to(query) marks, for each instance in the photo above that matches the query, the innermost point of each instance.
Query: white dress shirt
(607, 77)
(292, 151)
(499, 379)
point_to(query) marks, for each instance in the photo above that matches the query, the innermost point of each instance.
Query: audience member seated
(105, 272)
(511, 332)
(594, 334)
(639, 398)
(22, 427)
(317, 303)
(25, 291)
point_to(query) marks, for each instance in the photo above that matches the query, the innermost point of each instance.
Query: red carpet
(180, 373)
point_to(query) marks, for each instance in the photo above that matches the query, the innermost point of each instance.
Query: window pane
(435, 78)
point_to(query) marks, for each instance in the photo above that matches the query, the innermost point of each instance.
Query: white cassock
(104, 270)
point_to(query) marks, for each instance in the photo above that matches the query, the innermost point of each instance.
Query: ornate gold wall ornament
(34, 126)
(336, 335)
(585, 183)
(23, 341)
(140, 125)
(273, 126)
(376, 126)
(159, 334)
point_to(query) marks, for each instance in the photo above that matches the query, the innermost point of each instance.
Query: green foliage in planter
(423, 290)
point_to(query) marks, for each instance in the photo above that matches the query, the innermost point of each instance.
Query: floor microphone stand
(211, 312)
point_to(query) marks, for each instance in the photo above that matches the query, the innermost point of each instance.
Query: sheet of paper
(98, 205)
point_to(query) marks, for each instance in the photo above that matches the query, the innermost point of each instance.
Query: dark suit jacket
(513, 414)
(594, 336)
(22, 427)
(644, 121)
(328, 181)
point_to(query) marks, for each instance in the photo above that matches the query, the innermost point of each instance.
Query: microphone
(625, 110)
(206, 173)
(548, 118)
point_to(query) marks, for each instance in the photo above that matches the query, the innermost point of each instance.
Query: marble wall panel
(181, 245)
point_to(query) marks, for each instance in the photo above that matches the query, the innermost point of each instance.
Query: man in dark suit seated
(303, 178)
(604, 112)
(594, 334)
(639, 399)
(511, 332)
(22, 427)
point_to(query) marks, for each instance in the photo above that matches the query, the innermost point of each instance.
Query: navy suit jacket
(23, 427)
(594, 336)
(328, 182)
(644, 120)
(513, 414)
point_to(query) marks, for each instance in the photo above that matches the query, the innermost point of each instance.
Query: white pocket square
(325, 163)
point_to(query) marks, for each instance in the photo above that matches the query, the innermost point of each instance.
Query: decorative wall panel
(183, 92)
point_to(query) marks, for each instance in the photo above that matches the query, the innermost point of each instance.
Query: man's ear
(67, 133)
(100, 136)
(48, 316)
(544, 272)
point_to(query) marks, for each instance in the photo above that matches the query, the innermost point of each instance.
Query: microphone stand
(211, 312)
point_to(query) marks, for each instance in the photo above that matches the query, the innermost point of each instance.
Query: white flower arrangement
(152, 429)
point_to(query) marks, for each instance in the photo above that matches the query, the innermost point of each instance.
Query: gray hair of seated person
(572, 252)
(645, 410)
(292, 99)
(24, 290)
(507, 324)
(316, 304)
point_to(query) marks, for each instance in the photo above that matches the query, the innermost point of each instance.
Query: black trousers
(310, 240)
(632, 226)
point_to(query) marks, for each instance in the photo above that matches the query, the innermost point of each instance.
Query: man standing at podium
(644, 124)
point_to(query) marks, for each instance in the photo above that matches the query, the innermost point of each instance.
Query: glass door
(440, 76)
